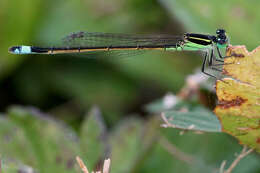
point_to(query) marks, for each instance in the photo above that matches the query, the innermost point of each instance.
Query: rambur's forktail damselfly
(80, 42)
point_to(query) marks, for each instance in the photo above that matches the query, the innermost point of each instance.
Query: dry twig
(84, 168)
(166, 122)
(243, 153)
(106, 166)
(82, 165)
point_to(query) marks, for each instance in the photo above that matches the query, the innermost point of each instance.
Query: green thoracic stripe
(221, 45)
(189, 46)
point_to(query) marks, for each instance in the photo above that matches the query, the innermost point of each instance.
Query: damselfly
(81, 42)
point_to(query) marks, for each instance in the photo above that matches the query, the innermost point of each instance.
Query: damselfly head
(221, 38)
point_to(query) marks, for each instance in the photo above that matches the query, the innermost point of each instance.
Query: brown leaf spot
(238, 101)
(237, 55)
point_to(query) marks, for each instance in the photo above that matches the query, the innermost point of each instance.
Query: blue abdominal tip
(25, 49)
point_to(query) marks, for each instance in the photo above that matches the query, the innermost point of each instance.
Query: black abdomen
(39, 50)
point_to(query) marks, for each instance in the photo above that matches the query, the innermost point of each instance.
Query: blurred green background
(67, 87)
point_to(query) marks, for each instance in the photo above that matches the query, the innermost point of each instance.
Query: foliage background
(67, 87)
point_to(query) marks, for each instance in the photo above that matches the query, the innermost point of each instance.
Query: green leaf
(184, 115)
(53, 144)
(125, 143)
(93, 138)
(14, 166)
(131, 142)
(199, 119)
(14, 143)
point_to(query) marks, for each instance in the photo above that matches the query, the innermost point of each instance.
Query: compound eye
(220, 31)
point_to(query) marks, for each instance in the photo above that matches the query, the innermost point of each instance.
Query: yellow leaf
(239, 96)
